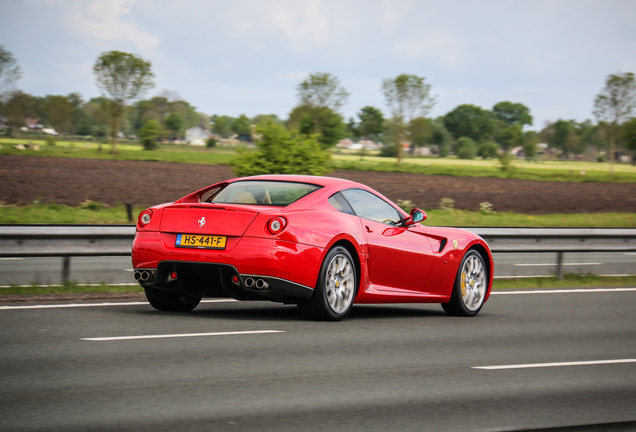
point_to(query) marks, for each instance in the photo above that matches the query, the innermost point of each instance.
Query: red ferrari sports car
(321, 243)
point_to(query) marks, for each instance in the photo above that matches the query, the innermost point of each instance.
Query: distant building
(197, 135)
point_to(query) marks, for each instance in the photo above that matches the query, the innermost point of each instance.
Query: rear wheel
(168, 301)
(470, 286)
(336, 288)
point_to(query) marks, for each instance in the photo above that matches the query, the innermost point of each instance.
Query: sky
(247, 57)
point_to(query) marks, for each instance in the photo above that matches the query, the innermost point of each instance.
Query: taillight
(276, 224)
(144, 218)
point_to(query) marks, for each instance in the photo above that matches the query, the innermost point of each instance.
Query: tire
(167, 301)
(470, 286)
(336, 289)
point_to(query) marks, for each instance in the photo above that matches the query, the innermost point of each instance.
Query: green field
(95, 213)
(88, 150)
(572, 171)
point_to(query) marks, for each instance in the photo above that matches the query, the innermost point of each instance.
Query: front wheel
(168, 301)
(336, 288)
(470, 286)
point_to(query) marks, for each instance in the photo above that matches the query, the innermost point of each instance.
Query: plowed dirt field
(24, 179)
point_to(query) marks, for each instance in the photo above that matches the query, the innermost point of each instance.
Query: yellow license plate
(201, 241)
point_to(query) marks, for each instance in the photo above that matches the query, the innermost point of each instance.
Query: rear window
(274, 193)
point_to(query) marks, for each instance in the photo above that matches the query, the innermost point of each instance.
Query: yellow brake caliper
(463, 284)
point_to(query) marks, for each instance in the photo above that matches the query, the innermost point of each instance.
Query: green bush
(282, 152)
(466, 148)
(149, 133)
(488, 150)
(389, 150)
(149, 144)
(50, 140)
(211, 142)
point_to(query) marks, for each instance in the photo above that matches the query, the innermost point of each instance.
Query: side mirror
(417, 215)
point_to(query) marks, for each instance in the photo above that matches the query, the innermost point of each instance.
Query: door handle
(368, 229)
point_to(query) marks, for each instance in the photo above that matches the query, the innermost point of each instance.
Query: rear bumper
(287, 269)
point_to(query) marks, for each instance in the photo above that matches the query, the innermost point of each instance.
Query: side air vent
(442, 245)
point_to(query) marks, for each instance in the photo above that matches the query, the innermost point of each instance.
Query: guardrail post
(66, 269)
(560, 265)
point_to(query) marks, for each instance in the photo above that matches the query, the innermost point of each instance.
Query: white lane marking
(77, 305)
(554, 264)
(165, 336)
(565, 291)
(544, 365)
(10, 259)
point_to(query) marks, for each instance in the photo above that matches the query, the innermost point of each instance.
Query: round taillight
(276, 225)
(145, 217)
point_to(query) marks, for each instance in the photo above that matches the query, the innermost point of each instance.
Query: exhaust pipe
(261, 284)
(249, 282)
(142, 275)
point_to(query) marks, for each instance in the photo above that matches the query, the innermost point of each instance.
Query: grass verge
(495, 219)
(569, 281)
(91, 213)
(69, 288)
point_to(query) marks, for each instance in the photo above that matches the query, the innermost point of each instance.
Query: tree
(222, 125)
(408, 97)
(10, 73)
(242, 126)
(628, 134)
(322, 121)
(530, 144)
(322, 90)
(421, 131)
(371, 123)
(441, 137)
(510, 136)
(512, 113)
(282, 152)
(487, 150)
(78, 117)
(18, 108)
(124, 77)
(614, 105)
(174, 123)
(465, 148)
(149, 133)
(564, 137)
(470, 121)
(262, 118)
(60, 112)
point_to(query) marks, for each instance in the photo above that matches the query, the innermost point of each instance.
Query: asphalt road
(385, 368)
(118, 270)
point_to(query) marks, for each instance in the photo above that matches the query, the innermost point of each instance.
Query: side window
(340, 204)
(369, 206)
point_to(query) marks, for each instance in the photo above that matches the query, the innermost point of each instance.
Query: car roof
(317, 180)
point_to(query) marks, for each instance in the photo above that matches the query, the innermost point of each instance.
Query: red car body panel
(395, 264)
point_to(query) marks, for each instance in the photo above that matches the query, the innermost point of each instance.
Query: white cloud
(108, 21)
(303, 25)
(441, 46)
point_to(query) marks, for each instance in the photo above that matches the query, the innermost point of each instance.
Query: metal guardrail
(67, 241)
